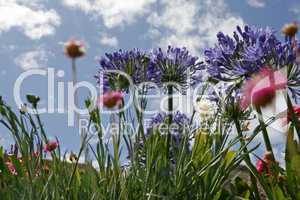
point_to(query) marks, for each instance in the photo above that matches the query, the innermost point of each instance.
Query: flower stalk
(265, 133)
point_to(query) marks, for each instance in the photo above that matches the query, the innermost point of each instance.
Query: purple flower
(247, 52)
(244, 54)
(176, 65)
(133, 63)
(180, 125)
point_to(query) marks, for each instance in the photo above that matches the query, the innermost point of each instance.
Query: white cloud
(35, 22)
(193, 24)
(257, 3)
(113, 12)
(109, 41)
(178, 16)
(32, 59)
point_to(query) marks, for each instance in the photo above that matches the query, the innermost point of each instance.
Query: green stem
(265, 132)
(170, 116)
(77, 115)
(170, 103)
(294, 117)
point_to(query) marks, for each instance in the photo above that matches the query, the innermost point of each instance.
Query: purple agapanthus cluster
(174, 65)
(179, 126)
(249, 51)
(178, 66)
(246, 53)
(134, 63)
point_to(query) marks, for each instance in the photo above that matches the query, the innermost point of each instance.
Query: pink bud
(111, 99)
(260, 166)
(74, 49)
(51, 146)
(11, 168)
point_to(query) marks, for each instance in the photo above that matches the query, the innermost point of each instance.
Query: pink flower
(290, 30)
(74, 49)
(261, 89)
(11, 168)
(260, 166)
(264, 96)
(264, 165)
(51, 146)
(111, 99)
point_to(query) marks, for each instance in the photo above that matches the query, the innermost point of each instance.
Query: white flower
(205, 108)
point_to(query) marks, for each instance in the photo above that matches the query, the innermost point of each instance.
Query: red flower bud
(290, 30)
(111, 99)
(260, 166)
(74, 49)
(51, 146)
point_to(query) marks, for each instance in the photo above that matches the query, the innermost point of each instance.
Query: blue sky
(32, 34)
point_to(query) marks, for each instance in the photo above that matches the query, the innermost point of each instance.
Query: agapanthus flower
(134, 63)
(178, 66)
(51, 146)
(261, 89)
(237, 58)
(180, 125)
(111, 99)
(246, 53)
(74, 49)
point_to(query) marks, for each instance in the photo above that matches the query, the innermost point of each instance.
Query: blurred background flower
(181, 124)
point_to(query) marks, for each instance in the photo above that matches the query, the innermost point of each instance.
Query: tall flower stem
(170, 115)
(74, 79)
(77, 115)
(170, 103)
(265, 132)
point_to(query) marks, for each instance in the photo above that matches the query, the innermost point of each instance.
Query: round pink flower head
(261, 89)
(111, 99)
(74, 49)
(51, 146)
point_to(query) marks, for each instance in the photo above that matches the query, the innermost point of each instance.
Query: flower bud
(74, 49)
(290, 30)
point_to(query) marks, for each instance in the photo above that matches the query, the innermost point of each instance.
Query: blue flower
(133, 63)
(247, 52)
(176, 65)
(180, 125)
